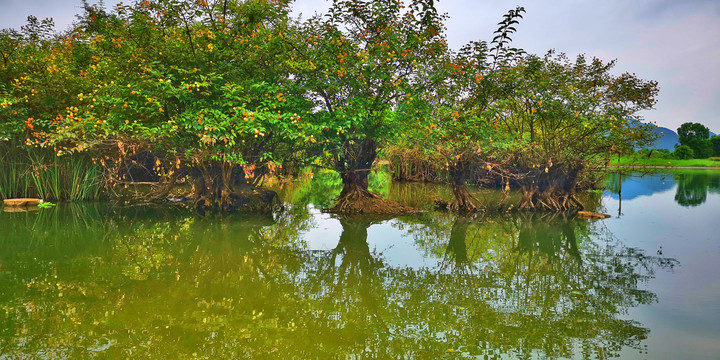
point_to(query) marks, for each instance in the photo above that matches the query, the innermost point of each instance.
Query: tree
(696, 136)
(35, 81)
(684, 152)
(358, 63)
(565, 118)
(202, 85)
(715, 142)
(451, 121)
(543, 122)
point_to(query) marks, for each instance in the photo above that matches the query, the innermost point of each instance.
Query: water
(677, 215)
(98, 281)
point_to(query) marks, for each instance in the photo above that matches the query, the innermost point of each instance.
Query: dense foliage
(358, 64)
(222, 93)
(540, 122)
(697, 137)
(715, 142)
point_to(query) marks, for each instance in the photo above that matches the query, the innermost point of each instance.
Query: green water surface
(108, 282)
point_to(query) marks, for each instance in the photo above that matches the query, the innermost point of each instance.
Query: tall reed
(39, 173)
(14, 181)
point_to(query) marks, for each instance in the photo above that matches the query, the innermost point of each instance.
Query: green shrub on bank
(654, 154)
(684, 152)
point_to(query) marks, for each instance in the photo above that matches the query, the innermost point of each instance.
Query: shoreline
(661, 167)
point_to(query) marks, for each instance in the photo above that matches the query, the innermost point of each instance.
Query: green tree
(697, 137)
(451, 121)
(359, 63)
(684, 152)
(715, 142)
(565, 118)
(35, 80)
(203, 85)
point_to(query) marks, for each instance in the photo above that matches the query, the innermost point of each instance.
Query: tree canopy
(359, 63)
(696, 136)
(220, 93)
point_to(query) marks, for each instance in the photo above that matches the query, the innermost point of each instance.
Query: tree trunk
(354, 167)
(459, 172)
(354, 164)
(215, 182)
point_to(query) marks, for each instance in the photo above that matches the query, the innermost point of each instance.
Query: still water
(98, 281)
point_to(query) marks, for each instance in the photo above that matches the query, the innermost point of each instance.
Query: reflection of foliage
(145, 284)
(325, 185)
(547, 280)
(171, 280)
(693, 187)
(613, 182)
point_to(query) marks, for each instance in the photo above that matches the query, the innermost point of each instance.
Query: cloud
(15, 12)
(684, 56)
(674, 42)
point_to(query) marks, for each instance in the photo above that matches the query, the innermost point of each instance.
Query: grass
(14, 181)
(640, 161)
(33, 173)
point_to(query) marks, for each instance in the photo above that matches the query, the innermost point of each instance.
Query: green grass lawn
(640, 160)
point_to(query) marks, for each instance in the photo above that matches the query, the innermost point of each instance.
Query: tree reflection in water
(157, 286)
(692, 190)
(693, 187)
(553, 285)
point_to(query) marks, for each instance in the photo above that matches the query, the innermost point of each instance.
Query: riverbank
(661, 167)
(641, 161)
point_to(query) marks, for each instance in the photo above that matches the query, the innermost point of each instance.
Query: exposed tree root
(465, 202)
(550, 199)
(414, 165)
(356, 200)
(550, 188)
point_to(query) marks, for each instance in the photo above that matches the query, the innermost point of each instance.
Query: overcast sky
(676, 43)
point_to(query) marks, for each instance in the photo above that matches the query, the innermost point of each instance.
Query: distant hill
(667, 140)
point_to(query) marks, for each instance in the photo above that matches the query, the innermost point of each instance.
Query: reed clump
(40, 173)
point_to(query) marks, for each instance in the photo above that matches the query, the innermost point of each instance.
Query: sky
(676, 43)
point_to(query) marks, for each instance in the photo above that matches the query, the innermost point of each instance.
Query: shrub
(683, 152)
